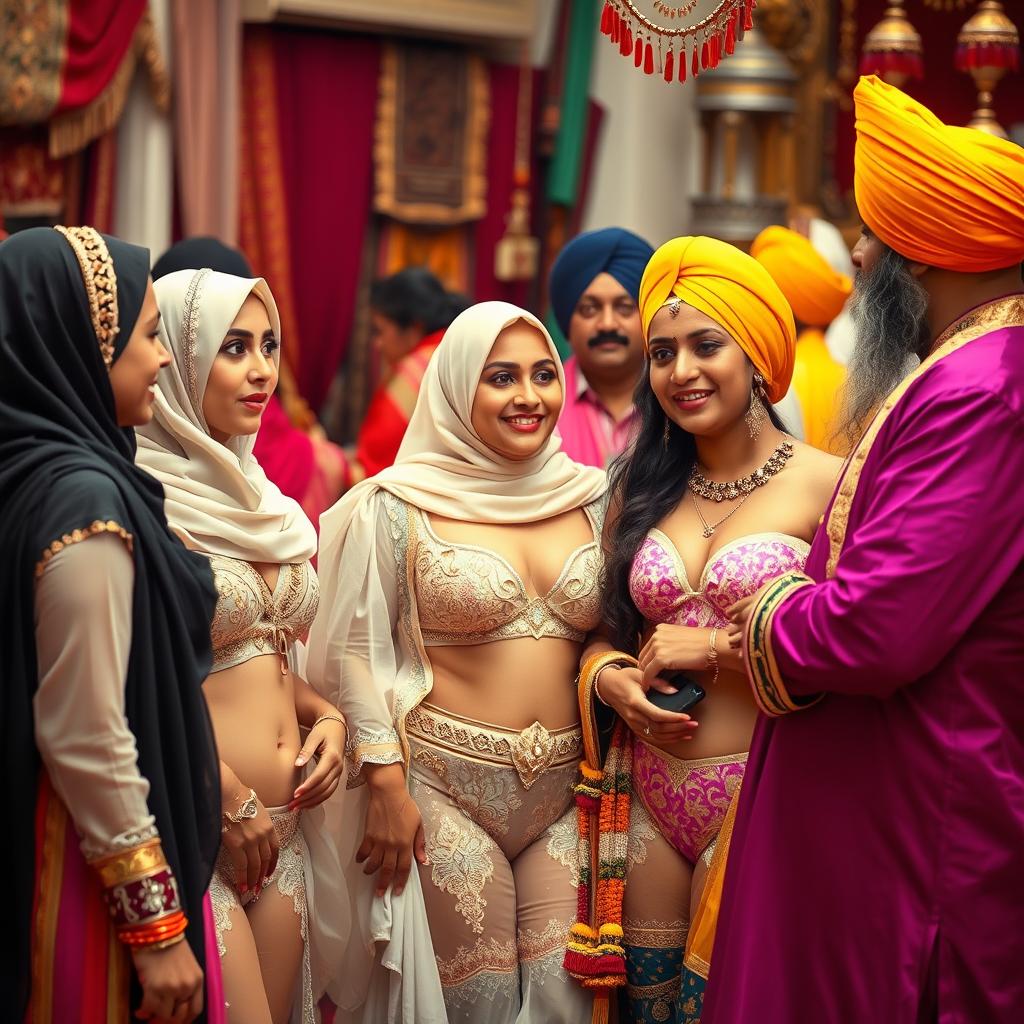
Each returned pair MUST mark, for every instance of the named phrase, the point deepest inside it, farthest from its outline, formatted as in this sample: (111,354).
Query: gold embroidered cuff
(129,865)
(367,747)
(770,691)
(99,526)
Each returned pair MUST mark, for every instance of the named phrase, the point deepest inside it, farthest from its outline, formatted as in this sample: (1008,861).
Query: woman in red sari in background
(409,313)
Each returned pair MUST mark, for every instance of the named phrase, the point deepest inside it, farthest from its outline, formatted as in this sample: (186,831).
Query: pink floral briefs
(688,800)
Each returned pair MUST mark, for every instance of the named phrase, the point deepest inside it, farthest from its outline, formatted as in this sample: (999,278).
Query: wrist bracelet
(248,809)
(163,943)
(141,894)
(329,718)
(713,654)
(597,679)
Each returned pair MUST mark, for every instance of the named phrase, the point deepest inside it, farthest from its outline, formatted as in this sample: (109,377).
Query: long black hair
(416,296)
(647,481)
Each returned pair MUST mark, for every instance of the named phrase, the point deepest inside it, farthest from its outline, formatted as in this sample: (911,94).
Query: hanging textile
(70,63)
(433,114)
(207,52)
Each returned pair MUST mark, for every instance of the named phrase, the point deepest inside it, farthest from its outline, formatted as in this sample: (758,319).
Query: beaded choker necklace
(733,489)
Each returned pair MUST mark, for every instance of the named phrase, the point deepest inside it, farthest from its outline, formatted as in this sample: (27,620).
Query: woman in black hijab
(104,732)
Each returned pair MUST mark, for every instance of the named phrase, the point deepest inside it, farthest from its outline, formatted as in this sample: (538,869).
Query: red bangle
(153,934)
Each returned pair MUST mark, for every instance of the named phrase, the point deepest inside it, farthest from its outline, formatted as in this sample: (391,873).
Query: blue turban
(615,251)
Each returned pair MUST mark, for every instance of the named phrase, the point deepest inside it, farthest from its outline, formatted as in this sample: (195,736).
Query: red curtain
(944,90)
(326,101)
(98,37)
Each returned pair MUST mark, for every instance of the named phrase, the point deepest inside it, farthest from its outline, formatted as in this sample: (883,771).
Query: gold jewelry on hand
(713,653)
(248,809)
(593,667)
(329,718)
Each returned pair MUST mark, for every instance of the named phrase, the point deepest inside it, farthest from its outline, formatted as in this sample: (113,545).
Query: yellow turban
(816,292)
(948,197)
(732,288)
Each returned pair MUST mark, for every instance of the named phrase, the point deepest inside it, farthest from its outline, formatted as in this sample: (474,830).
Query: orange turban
(948,197)
(732,288)
(816,292)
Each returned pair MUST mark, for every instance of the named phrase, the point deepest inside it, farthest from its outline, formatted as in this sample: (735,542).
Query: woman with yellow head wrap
(712,501)
(732,288)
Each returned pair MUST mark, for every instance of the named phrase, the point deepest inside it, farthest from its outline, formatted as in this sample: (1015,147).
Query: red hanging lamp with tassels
(699,32)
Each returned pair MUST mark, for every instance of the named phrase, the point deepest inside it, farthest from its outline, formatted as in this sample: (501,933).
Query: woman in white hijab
(223,332)
(459,586)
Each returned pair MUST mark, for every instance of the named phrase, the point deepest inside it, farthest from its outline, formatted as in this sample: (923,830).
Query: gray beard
(889,308)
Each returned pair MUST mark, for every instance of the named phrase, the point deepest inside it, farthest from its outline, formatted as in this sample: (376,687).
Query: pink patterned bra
(661,589)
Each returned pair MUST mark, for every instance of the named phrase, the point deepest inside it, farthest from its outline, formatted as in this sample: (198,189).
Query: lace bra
(251,619)
(661,590)
(470,595)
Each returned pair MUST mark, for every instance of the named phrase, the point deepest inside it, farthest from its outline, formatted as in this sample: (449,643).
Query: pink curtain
(207,49)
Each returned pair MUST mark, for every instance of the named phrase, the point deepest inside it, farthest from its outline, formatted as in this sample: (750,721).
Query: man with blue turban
(593,287)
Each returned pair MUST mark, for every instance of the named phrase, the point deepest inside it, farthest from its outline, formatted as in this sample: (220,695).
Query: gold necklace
(709,528)
(730,490)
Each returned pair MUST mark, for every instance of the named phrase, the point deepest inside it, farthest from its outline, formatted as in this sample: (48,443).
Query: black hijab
(64,464)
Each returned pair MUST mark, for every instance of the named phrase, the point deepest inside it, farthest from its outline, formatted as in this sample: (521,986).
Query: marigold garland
(594,953)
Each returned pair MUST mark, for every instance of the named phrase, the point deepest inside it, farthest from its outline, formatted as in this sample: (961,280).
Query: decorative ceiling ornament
(892,49)
(987,47)
(656,34)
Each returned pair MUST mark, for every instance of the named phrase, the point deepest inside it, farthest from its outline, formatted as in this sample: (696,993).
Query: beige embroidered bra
(251,619)
(470,595)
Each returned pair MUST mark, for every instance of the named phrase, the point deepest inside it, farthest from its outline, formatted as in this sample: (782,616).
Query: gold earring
(756,415)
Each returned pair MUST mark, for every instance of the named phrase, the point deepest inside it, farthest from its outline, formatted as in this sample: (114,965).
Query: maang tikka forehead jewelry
(673,307)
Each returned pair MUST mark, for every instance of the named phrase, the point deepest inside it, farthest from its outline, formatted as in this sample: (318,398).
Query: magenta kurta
(876,871)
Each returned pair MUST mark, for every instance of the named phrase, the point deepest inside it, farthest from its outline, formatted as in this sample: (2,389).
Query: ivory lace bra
(251,619)
(661,590)
(470,595)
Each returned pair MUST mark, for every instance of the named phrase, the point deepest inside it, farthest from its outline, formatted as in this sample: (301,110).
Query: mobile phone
(688,695)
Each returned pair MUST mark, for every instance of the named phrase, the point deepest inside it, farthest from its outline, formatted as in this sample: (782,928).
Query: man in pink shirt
(593,288)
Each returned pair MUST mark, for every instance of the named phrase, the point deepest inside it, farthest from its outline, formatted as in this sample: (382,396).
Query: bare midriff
(508,683)
(252,707)
(726,716)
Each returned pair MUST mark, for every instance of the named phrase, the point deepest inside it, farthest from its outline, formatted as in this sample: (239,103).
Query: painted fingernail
(300,761)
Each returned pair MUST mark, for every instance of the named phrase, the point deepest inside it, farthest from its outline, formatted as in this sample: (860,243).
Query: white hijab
(365,650)
(218,499)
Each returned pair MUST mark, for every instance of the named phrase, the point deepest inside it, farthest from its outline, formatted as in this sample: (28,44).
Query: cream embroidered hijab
(365,649)
(217,496)
(444,467)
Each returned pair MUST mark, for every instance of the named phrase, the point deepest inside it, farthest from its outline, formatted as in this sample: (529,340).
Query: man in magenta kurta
(876,867)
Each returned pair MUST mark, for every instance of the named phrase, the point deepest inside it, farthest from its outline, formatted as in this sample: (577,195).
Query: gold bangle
(713,654)
(329,718)
(165,943)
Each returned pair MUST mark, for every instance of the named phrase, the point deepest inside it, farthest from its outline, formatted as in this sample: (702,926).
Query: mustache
(603,337)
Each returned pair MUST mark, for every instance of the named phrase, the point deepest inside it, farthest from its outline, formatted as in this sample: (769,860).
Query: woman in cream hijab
(459,586)
(277,940)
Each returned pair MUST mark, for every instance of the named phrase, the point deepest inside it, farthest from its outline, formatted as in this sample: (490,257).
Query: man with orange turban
(817,295)
(877,855)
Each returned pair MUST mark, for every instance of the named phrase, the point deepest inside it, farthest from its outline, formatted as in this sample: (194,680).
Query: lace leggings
(289,879)
(676,814)
(501,840)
